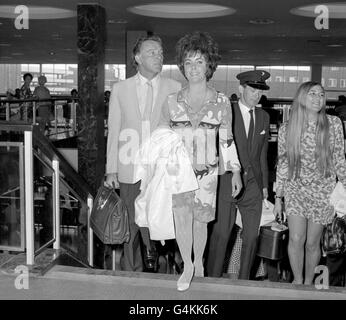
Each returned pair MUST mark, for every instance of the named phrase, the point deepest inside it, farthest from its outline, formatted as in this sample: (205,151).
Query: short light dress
(212,120)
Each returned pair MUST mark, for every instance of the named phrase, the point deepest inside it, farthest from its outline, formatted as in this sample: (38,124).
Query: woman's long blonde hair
(295,130)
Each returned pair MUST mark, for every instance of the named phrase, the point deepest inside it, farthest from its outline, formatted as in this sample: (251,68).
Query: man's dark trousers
(132,251)
(250,207)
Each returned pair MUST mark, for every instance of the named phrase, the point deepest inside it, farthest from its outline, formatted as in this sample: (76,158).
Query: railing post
(74,117)
(29,198)
(55,119)
(55,164)
(90,234)
(8,111)
(34,112)
(26,111)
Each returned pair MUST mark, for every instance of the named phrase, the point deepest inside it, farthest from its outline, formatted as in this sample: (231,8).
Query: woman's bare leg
(313,250)
(297,236)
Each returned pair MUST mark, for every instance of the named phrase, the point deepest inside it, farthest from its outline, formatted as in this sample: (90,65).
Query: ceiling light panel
(336,10)
(38,12)
(181,10)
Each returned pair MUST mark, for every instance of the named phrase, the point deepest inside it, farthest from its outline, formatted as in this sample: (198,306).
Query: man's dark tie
(251,130)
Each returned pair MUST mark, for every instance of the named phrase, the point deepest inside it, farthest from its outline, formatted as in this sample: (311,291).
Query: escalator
(44,202)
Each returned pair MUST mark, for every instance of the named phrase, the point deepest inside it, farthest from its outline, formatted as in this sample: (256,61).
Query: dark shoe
(151,260)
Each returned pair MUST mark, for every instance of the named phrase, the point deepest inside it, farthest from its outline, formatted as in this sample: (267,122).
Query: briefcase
(272,244)
(109,218)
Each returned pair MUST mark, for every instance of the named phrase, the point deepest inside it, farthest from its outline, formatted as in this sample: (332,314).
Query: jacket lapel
(133,96)
(239,127)
(159,101)
(258,126)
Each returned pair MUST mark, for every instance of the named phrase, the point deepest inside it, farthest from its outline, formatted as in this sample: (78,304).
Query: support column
(91,78)
(131,37)
(316,72)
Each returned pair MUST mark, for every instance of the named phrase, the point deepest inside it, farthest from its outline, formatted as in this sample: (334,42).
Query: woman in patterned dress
(25,93)
(199,113)
(310,157)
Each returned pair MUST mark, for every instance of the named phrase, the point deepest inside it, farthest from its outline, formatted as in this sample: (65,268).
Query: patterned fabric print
(199,131)
(308,196)
(183,201)
(25,92)
(233,262)
(26,107)
(310,201)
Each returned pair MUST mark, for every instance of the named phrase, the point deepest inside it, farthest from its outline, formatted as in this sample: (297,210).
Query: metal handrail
(52,153)
(35,103)
(289,101)
(38,100)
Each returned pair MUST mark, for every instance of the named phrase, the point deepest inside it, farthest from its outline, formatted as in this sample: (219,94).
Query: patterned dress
(26,107)
(308,196)
(200,131)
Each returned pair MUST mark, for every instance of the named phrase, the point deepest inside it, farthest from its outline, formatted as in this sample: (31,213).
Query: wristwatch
(278,197)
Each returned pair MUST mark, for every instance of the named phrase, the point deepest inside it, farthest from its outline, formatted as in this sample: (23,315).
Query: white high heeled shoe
(183,286)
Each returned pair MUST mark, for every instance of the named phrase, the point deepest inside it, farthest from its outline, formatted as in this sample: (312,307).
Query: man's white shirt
(246,116)
(142,89)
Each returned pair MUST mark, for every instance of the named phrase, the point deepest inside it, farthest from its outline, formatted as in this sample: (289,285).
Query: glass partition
(44,202)
(64,124)
(73,222)
(12,235)
(334,81)
(285,80)
(36,209)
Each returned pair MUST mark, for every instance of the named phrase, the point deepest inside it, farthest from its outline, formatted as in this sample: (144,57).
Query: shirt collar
(143,80)
(243,107)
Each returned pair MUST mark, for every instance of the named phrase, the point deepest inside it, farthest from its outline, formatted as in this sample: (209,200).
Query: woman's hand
(278,209)
(236,183)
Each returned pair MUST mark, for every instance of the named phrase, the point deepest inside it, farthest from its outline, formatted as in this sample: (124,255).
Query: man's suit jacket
(125,124)
(256,159)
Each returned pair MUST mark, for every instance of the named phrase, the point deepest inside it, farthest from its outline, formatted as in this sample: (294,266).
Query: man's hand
(236,183)
(265,193)
(110,179)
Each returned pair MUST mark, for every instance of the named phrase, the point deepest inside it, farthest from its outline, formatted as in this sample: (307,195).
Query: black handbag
(272,244)
(109,218)
(333,238)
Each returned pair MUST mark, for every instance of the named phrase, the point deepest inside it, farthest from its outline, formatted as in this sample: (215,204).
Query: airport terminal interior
(51,170)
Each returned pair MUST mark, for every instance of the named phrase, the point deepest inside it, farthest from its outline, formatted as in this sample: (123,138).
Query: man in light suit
(134,111)
(251,134)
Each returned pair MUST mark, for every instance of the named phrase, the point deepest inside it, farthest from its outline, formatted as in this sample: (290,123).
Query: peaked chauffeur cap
(255,78)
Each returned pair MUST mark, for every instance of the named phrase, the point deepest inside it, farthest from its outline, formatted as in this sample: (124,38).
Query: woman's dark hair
(138,44)
(203,43)
(27,74)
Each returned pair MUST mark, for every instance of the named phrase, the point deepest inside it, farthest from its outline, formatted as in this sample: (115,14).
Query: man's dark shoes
(151,260)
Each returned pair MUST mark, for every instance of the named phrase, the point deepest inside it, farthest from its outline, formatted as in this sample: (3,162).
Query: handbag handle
(113,185)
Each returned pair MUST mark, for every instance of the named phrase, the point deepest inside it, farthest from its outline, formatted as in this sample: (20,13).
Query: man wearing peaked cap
(251,134)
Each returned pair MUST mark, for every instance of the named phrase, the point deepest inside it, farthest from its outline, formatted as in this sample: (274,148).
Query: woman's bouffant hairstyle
(198,42)
(295,130)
